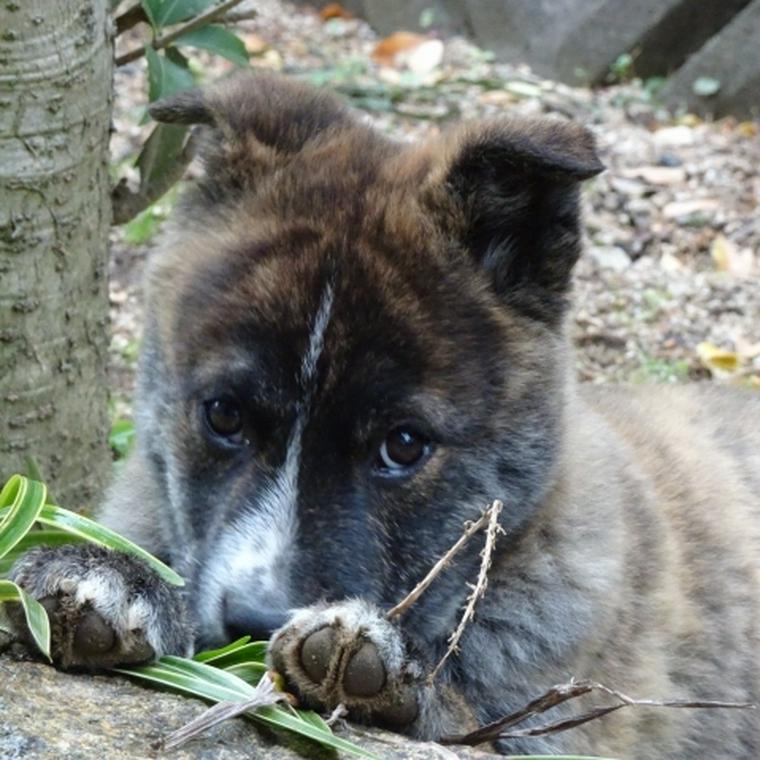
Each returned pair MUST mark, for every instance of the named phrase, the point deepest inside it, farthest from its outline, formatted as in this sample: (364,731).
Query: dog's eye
(225,418)
(402,448)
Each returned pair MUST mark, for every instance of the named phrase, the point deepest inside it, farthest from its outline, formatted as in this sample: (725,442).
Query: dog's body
(352,347)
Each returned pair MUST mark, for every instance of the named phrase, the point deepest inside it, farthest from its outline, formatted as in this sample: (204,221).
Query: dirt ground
(669,286)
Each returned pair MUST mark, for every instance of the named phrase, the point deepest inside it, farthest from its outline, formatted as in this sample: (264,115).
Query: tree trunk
(55,111)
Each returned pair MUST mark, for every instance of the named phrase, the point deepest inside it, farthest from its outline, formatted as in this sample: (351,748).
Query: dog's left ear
(509,191)
(252,123)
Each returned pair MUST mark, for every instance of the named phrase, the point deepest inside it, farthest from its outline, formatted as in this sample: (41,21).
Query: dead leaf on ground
(657,175)
(497,97)
(416,52)
(682,209)
(727,257)
(334,10)
(719,361)
(254,43)
(671,263)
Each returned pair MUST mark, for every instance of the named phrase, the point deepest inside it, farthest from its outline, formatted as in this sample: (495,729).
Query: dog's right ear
(253,122)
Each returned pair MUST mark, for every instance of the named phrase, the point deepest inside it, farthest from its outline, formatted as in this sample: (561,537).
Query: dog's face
(352,347)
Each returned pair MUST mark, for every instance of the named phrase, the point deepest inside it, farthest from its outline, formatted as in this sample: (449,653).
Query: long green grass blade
(211,654)
(24,499)
(205,681)
(85,528)
(250,672)
(316,720)
(255,651)
(167,675)
(36,617)
(276,716)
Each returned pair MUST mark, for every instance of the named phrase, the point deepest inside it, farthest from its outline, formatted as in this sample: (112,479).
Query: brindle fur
(632,543)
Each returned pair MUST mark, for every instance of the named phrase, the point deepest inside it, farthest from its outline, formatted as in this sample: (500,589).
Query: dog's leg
(106,608)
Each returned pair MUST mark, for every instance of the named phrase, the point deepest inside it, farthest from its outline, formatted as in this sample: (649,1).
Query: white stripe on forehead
(317,338)
(253,551)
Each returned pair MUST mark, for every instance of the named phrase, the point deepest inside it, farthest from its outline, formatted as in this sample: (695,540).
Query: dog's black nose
(259,624)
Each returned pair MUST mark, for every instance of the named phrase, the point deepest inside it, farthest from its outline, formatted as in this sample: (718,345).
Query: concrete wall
(578,41)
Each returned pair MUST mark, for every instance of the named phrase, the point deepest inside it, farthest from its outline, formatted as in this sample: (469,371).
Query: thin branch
(470,530)
(557,695)
(208,17)
(477,590)
(557,726)
(264,695)
(235,17)
(131,17)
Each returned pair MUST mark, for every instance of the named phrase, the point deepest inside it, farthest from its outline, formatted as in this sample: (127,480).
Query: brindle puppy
(352,346)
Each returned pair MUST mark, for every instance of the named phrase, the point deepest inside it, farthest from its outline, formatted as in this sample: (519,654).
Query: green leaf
(166,76)
(250,671)
(24,499)
(194,678)
(211,654)
(141,229)
(160,152)
(20,490)
(705,86)
(163,13)
(276,716)
(216,40)
(147,6)
(253,652)
(309,716)
(121,437)
(77,525)
(33,471)
(217,685)
(36,617)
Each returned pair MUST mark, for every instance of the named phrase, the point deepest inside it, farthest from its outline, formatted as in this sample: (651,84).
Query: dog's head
(353,346)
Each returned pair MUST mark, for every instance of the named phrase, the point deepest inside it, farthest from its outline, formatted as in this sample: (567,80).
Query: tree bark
(55,111)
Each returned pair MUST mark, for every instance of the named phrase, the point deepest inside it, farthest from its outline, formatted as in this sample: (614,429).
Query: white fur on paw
(357,617)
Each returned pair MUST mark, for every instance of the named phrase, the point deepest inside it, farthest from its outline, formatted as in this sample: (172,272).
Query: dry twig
(211,15)
(470,530)
(477,590)
(341,711)
(265,694)
(557,695)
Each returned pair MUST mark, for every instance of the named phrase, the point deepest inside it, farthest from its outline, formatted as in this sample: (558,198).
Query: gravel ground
(669,286)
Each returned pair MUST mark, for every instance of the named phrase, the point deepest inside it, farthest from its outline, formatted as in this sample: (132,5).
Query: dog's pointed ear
(509,191)
(253,122)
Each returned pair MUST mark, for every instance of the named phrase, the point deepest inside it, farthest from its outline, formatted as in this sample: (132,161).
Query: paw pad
(365,674)
(93,636)
(347,653)
(316,651)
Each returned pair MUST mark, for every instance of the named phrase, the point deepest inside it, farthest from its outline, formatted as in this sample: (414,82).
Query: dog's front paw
(105,608)
(347,653)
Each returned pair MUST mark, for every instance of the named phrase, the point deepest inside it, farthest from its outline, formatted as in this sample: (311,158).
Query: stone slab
(49,715)
(732,58)
(659,35)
